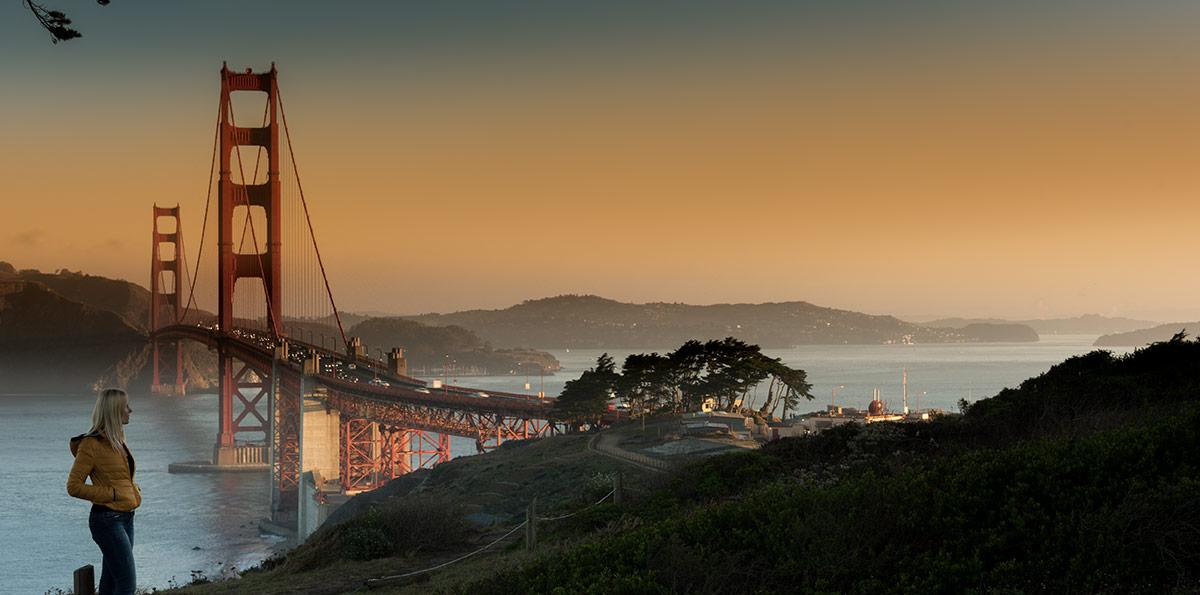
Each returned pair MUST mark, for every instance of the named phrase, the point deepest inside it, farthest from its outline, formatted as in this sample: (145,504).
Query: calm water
(945,373)
(208,522)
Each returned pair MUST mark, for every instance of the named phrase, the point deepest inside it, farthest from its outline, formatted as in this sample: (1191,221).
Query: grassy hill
(1080,480)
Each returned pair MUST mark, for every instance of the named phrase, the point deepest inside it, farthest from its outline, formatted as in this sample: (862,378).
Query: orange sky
(983,174)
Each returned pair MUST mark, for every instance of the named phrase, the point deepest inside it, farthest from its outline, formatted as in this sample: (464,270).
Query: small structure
(717,423)
(877,411)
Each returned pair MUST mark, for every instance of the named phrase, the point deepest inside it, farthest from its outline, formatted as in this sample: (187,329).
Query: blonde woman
(101,455)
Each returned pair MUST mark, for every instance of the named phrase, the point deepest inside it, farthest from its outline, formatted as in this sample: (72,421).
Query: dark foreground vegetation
(1084,479)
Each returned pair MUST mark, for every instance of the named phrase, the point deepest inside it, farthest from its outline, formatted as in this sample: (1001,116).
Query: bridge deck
(341,374)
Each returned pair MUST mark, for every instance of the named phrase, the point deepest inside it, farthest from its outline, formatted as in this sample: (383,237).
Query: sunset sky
(1016,159)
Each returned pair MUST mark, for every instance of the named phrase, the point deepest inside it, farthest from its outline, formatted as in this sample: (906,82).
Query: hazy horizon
(916,318)
(1019,161)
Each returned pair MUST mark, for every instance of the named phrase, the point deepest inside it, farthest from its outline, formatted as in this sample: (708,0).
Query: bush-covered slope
(1081,480)
(1111,512)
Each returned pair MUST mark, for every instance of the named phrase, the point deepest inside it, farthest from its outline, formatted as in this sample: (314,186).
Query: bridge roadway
(345,385)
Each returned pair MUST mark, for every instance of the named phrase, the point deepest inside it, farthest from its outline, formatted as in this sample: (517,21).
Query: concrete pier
(234,459)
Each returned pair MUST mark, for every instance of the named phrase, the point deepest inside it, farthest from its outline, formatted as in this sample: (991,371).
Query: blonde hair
(107,416)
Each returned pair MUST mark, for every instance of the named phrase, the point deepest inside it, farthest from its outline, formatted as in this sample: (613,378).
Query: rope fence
(529,524)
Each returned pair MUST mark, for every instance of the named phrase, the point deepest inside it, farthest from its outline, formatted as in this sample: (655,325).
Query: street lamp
(524,367)
(833,397)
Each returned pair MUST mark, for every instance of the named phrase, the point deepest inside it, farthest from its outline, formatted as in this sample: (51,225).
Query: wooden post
(531,525)
(85,580)
(618,487)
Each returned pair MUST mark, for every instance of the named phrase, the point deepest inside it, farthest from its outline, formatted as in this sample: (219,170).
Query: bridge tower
(232,265)
(166,293)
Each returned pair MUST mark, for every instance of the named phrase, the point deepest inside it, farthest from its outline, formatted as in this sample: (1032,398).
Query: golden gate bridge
(283,401)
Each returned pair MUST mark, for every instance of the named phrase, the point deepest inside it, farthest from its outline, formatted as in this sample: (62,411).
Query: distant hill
(67,331)
(427,347)
(1162,332)
(1088,324)
(32,315)
(588,321)
(1000,333)
(49,343)
(129,301)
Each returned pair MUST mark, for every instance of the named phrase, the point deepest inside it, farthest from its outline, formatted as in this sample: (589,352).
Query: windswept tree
(586,398)
(685,375)
(724,370)
(787,387)
(731,369)
(645,383)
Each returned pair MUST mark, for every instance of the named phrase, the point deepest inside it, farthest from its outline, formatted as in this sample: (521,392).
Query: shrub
(398,526)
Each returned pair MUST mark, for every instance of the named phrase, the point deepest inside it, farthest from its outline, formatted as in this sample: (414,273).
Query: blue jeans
(113,532)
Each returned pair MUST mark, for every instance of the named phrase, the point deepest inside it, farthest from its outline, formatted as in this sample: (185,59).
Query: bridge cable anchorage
(308,218)
(262,270)
(383,580)
(204,222)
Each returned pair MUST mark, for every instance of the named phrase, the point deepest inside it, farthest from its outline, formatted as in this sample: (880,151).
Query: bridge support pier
(240,383)
(156,384)
(320,443)
(285,415)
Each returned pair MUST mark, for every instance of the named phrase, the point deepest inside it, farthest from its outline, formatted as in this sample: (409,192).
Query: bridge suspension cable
(308,218)
(204,221)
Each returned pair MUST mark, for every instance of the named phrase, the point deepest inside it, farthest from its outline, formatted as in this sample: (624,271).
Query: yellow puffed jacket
(111,474)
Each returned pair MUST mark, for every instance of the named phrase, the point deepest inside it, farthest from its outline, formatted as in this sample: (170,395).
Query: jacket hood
(77,439)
